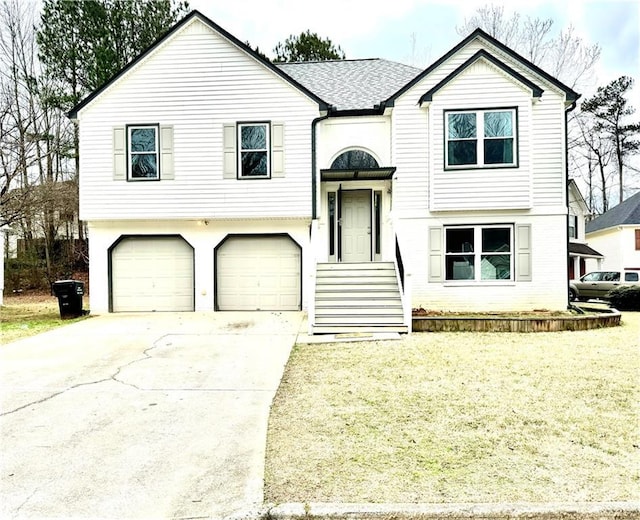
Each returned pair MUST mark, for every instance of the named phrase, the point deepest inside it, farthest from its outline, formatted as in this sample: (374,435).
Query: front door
(355,226)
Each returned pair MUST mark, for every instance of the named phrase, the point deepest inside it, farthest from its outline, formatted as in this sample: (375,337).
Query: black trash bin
(69,293)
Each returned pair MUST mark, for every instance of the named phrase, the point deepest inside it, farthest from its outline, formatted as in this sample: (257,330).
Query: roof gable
(571,95)
(576,196)
(73,113)
(624,214)
(536,91)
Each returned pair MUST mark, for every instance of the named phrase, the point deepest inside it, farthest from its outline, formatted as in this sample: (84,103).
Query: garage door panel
(258,273)
(152,274)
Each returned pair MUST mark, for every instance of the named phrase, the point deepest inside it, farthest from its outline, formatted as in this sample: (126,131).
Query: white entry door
(356,226)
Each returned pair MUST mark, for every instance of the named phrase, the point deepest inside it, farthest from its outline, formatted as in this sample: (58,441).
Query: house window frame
(480,139)
(637,237)
(573,225)
(478,254)
(130,153)
(239,126)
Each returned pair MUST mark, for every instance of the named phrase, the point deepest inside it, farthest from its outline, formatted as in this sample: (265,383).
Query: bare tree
(492,20)
(36,138)
(16,124)
(593,153)
(611,111)
(571,60)
(565,56)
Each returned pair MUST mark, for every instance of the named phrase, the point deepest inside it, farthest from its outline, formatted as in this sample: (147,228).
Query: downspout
(314,183)
(566,192)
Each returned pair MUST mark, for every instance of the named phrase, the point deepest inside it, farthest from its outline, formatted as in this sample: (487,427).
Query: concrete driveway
(140,415)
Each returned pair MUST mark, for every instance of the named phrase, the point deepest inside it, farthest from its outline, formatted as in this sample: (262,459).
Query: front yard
(460,417)
(29,314)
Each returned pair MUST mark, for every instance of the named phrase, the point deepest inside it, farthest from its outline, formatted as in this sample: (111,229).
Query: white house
(357,190)
(582,257)
(616,233)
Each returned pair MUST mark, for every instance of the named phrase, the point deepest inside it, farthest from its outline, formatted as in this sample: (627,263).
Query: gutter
(566,191)
(314,123)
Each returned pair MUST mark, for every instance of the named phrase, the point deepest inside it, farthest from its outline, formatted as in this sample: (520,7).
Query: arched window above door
(354,160)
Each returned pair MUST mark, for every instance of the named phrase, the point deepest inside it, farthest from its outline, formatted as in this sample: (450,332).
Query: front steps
(358,297)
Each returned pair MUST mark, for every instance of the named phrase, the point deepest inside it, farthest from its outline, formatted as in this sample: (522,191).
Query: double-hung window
(573,226)
(143,152)
(479,253)
(480,138)
(253,157)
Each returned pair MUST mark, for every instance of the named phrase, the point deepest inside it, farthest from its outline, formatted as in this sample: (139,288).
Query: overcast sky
(417,32)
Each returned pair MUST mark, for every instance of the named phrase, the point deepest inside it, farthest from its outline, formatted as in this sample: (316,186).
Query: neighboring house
(212,179)
(582,258)
(616,233)
(62,197)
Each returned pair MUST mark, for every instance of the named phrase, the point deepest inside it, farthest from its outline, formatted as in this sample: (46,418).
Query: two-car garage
(252,272)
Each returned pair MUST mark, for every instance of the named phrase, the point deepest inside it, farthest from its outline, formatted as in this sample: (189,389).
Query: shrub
(24,273)
(625,298)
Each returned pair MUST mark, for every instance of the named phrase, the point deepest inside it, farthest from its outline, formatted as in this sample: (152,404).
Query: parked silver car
(597,284)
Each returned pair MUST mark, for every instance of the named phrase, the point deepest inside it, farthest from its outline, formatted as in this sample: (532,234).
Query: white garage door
(258,273)
(152,274)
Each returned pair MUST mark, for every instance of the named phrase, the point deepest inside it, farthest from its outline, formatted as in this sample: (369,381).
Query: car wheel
(572,295)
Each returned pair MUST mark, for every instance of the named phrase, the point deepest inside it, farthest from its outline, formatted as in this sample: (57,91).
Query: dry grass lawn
(460,417)
(29,314)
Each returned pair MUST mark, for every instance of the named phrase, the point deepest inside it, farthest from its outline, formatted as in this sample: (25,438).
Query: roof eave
(571,95)
(536,90)
(352,112)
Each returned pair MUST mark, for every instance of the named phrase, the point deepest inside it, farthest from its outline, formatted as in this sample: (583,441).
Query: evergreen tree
(307,46)
(83,44)
(611,110)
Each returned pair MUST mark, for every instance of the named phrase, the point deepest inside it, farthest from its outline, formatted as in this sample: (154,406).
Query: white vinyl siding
(197,82)
(418,147)
(481,86)
(548,147)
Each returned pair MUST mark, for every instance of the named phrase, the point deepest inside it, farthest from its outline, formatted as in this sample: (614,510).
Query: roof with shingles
(583,249)
(351,84)
(624,214)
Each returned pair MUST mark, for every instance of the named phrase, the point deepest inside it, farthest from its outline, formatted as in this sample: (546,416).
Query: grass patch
(24,316)
(460,417)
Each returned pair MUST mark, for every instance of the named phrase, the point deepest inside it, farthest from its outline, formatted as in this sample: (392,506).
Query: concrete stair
(357,297)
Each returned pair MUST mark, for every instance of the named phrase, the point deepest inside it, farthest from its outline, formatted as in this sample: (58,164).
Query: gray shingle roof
(351,84)
(625,213)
